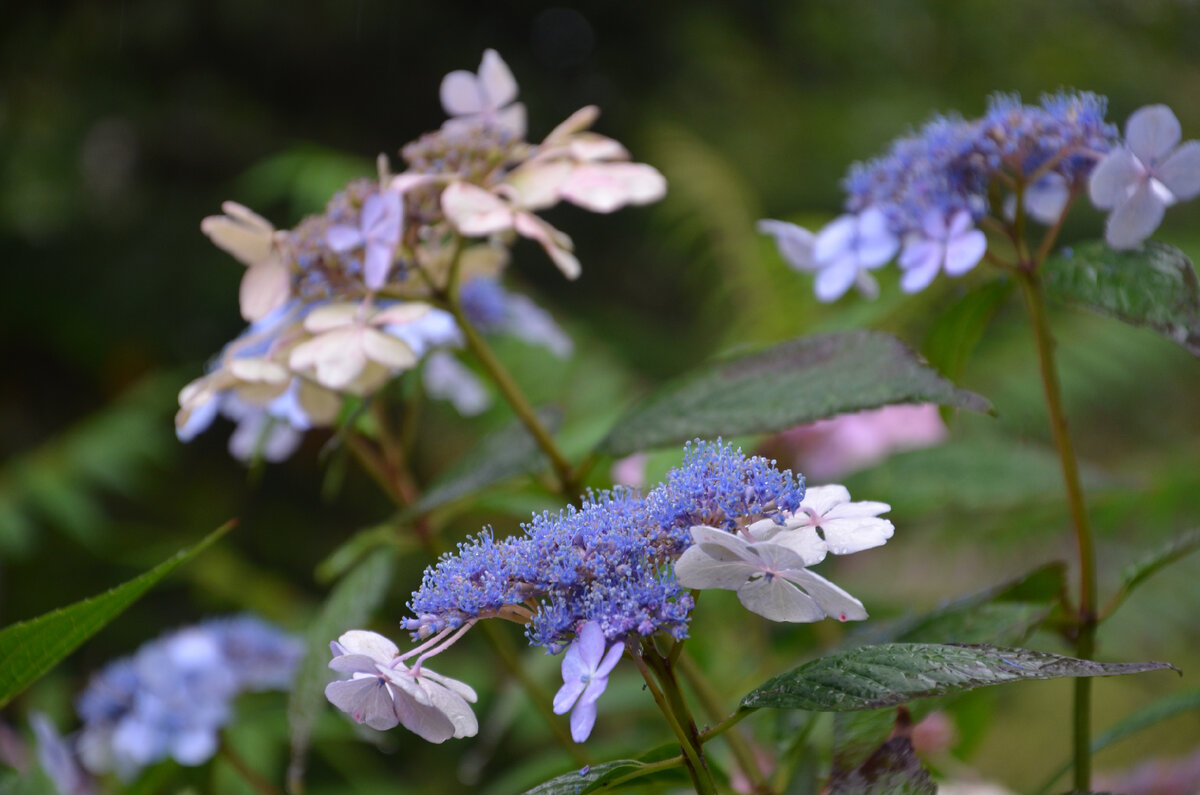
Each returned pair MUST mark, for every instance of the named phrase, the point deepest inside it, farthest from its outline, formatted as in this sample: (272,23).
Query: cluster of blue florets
(608,560)
(172,697)
(950,163)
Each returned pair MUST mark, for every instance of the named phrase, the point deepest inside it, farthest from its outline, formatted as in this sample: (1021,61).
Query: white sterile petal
(557,245)
(1152,132)
(474,211)
(319,404)
(1114,178)
(593,146)
(848,535)
(1181,171)
(454,707)
(403,183)
(835,602)
(265,287)
(367,699)
(343,237)
(241,232)
(461,688)
(795,243)
(713,566)
(402,313)
(834,238)
(834,280)
(460,93)
(804,541)
(577,122)
(424,720)
(372,644)
(387,350)
(512,119)
(537,183)
(964,252)
(822,499)
(1046,200)
(354,664)
(331,316)
(604,187)
(1134,220)
(259,369)
(246,216)
(497,79)
(776,599)
(337,356)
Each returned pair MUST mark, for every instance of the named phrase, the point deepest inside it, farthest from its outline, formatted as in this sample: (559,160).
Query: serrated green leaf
(798,381)
(1147,716)
(870,677)
(1153,286)
(578,782)
(31,648)
(349,605)
(503,455)
(1136,573)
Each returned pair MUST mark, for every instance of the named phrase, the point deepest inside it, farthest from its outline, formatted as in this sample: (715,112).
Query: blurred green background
(122,124)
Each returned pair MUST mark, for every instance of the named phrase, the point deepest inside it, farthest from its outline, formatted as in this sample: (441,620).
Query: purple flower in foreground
(1140,180)
(955,247)
(585,670)
(378,233)
(847,247)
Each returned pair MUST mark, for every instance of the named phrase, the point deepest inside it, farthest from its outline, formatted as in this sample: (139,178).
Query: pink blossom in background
(630,470)
(828,449)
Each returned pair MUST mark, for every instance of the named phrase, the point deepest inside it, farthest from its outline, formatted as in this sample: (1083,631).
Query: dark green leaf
(578,782)
(788,384)
(956,332)
(348,607)
(1137,573)
(1003,615)
(31,648)
(503,455)
(893,673)
(1153,286)
(1147,716)
(358,546)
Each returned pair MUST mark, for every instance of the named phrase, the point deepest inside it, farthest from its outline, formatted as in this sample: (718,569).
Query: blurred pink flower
(828,449)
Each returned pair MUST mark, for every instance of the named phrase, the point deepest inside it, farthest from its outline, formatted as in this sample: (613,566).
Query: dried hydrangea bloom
(252,240)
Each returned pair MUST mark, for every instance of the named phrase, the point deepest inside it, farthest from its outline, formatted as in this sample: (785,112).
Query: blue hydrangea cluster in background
(922,201)
(173,696)
(607,561)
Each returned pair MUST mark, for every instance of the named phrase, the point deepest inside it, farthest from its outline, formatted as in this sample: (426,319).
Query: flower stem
(670,701)
(711,702)
(252,777)
(1085,621)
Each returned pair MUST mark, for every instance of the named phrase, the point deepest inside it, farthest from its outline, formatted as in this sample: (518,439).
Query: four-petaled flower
(585,669)
(955,247)
(383,692)
(771,577)
(847,248)
(487,96)
(1140,180)
(378,233)
(845,527)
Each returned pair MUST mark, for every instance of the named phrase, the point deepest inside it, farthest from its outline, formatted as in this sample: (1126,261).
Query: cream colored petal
(405,312)
(331,316)
(387,350)
(578,121)
(537,184)
(474,211)
(590,147)
(259,369)
(556,244)
(321,405)
(265,287)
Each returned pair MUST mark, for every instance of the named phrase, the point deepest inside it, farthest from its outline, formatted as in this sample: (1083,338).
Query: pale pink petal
(588,147)
(403,183)
(775,599)
(405,312)
(331,316)
(537,184)
(376,646)
(604,187)
(1152,132)
(833,601)
(474,211)
(557,245)
(424,720)
(246,216)
(499,85)
(512,119)
(265,287)
(577,122)
(259,369)
(460,93)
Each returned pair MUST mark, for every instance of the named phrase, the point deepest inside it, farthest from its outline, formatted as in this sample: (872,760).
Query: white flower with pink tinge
(383,692)
(350,351)
(827,514)
(253,241)
(486,96)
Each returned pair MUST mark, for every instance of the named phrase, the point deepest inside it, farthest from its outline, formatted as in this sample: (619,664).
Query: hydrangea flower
(173,696)
(831,448)
(252,240)
(845,527)
(847,248)
(585,669)
(954,246)
(383,692)
(377,233)
(487,96)
(771,578)
(1139,180)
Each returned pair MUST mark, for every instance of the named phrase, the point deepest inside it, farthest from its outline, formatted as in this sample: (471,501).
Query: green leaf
(31,648)
(1136,573)
(955,333)
(1153,286)
(1147,716)
(798,381)
(1003,615)
(893,673)
(348,554)
(503,455)
(578,782)
(349,605)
